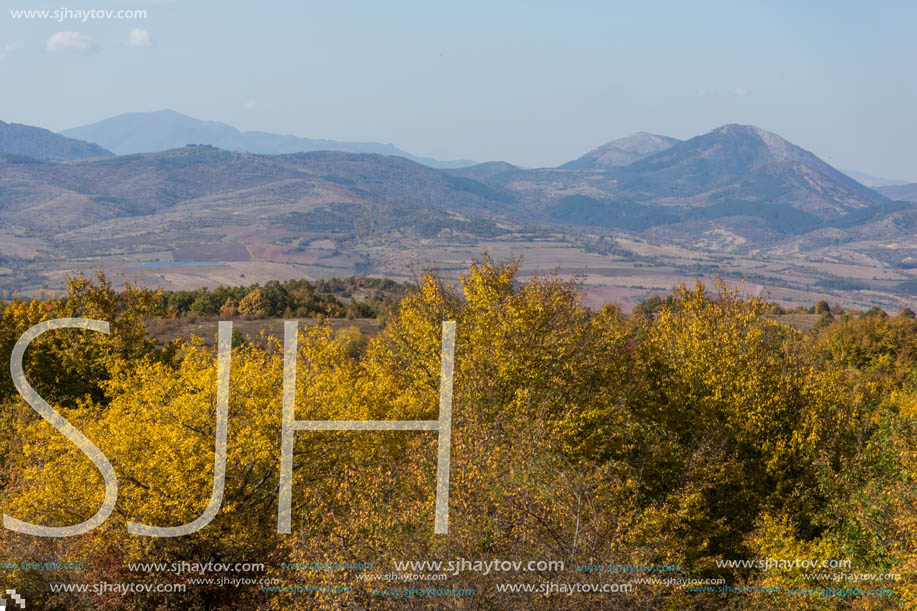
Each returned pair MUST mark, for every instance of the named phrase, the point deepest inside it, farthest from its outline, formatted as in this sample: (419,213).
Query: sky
(533,83)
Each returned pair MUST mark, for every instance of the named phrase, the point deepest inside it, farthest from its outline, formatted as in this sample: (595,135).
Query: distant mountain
(38,143)
(622,152)
(147,132)
(737,191)
(489,171)
(872,181)
(743,164)
(741,180)
(738,200)
(907,193)
(753,181)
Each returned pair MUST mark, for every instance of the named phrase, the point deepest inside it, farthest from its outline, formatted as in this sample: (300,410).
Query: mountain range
(145,132)
(736,199)
(742,174)
(754,181)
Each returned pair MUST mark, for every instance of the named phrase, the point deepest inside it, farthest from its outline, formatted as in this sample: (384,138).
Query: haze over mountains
(902,192)
(873,181)
(738,201)
(146,132)
(38,143)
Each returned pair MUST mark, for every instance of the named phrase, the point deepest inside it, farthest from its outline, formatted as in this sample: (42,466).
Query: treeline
(354,297)
(704,436)
(334,298)
(655,303)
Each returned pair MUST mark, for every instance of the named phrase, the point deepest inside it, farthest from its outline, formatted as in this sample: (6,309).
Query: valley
(631,219)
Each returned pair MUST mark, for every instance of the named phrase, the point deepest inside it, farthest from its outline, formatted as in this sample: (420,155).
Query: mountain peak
(738,129)
(743,129)
(743,162)
(622,152)
(777,148)
(644,136)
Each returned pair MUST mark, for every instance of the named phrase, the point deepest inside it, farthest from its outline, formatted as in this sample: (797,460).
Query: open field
(636,270)
(606,278)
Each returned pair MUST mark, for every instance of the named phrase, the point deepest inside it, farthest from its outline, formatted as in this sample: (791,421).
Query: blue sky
(533,83)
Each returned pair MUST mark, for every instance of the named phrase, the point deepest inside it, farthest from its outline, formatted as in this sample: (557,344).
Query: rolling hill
(737,199)
(209,183)
(906,193)
(38,143)
(755,182)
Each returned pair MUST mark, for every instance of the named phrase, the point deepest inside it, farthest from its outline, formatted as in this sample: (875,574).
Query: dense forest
(335,298)
(698,434)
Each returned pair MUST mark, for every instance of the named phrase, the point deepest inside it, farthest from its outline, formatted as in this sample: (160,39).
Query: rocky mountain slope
(622,152)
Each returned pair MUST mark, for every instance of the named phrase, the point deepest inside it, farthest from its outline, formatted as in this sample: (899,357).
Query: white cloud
(10,47)
(740,92)
(252,104)
(139,38)
(70,41)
